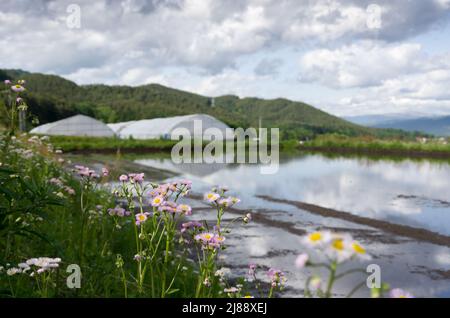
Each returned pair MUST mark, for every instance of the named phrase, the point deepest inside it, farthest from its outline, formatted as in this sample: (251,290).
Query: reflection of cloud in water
(360,186)
(442,257)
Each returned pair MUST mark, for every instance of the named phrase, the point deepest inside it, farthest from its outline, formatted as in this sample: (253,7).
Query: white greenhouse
(78,125)
(196,126)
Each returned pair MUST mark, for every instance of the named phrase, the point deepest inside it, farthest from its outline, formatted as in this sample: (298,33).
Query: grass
(47,211)
(73,144)
(370,145)
(106,144)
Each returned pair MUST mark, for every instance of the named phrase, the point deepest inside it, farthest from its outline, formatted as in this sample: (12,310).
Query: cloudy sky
(348,57)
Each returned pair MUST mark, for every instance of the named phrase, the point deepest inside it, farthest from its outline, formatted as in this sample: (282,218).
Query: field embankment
(427,148)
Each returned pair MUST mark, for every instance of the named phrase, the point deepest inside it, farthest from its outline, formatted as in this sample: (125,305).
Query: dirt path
(397,229)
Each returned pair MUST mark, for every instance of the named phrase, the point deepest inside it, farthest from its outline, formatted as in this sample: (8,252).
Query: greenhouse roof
(163,127)
(78,125)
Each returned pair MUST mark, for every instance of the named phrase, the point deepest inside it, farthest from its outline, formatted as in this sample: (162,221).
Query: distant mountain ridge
(439,126)
(52,97)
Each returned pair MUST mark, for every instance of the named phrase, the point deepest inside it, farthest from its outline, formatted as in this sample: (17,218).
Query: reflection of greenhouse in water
(78,125)
(194,169)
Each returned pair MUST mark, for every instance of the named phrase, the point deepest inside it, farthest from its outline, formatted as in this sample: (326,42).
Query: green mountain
(52,97)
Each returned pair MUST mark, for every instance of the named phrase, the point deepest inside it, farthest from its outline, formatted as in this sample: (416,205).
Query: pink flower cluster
(132,177)
(251,269)
(18,88)
(194,225)
(181,187)
(118,211)
(85,172)
(59,183)
(210,240)
(277,277)
(216,198)
(171,207)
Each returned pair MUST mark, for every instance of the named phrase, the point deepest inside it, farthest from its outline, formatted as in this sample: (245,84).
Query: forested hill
(52,97)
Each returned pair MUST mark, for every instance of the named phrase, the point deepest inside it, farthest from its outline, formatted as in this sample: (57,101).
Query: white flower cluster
(339,247)
(34,265)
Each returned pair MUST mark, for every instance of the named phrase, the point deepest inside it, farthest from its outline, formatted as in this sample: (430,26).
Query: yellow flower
(358,248)
(316,236)
(338,244)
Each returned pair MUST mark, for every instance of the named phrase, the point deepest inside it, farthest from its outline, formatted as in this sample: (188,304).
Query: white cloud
(140,41)
(361,64)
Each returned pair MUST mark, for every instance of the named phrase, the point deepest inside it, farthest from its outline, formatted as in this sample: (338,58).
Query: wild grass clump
(375,145)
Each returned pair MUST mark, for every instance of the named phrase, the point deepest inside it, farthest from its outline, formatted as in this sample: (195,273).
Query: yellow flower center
(207,236)
(338,244)
(316,236)
(358,248)
(157,200)
(141,217)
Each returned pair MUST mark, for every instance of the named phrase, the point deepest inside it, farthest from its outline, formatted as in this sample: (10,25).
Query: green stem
(331,279)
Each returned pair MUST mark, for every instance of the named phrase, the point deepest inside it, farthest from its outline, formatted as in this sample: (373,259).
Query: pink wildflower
(123,178)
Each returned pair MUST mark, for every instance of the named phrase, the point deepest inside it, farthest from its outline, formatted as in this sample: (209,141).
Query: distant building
(78,125)
(158,128)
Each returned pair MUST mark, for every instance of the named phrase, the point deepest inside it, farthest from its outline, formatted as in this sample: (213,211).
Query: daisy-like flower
(43,264)
(276,277)
(69,190)
(217,241)
(17,88)
(158,200)
(207,282)
(13,271)
(224,202)
(136,177)
(400,293)
(123,178)
(210,240)
(252,269)
(223,272)
(359,251)
(21,82)
(317,239)
(204,238)
(7,82)
(340,248)
(141,218)
(184,209)
(189,225)
(168,206)
(301,260)
(211,197)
